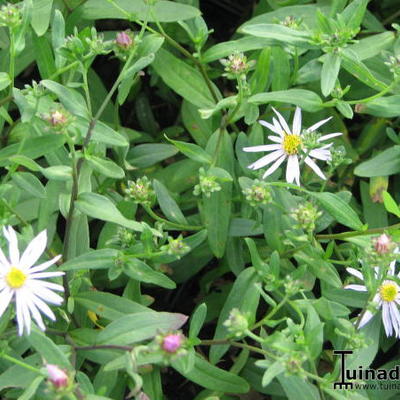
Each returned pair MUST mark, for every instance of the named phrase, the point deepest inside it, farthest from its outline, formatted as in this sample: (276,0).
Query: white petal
(19,314)
(276,139)
(45,265)
(355,273)
(5,298)
(3,260)
(394,312)
(359,288)
(329,136)
(297,121)
(25,310)
(278,127)
(43,307)
(292,168)
(270,127)
(34,250)
(320,154)
(387,322)
(314,167)
(392,268)
(263,161)
(283,122)
(318,124)
(45,294)
(365,319)
(43,275)
(274,166)
(34,311)
(13,251)
(51,285)
(265,147)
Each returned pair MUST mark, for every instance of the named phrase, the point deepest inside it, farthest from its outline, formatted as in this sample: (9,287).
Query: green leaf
(101,207)
(296,388)
(146,155)
(211,377)
(280,33)
(161,11)
(96,259)
(102,133)
(390,204)
(30,183)
(314,332)
(183,79)
(197,320)
(305,99)
(191,150)
(276,368)
(47,349)
(71,99)
(57,172)
(108,305)
(44,56)
(387,107)
(31,390)
(329,73)
(4,80)
(353,14)
(200,129)
(134,328)
(360,71)
(243,296)
(31,148)
(225,49)
(384,164)
(167,204)
(140,271)
(338,209)
(40,17)
(105,167)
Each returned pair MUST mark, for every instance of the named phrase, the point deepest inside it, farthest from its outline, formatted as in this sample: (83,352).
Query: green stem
(172,224)
(271,313)
(345,235)
(375,96)
(12,61)
(22,364)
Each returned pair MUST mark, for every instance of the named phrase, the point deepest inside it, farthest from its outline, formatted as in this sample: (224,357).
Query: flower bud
(10,16)
(383,244)
(57,376)
(176,246)
(124,40)
(258,193)
(306,214)
(172,342)
(237,323)
(140,191)
(207,185)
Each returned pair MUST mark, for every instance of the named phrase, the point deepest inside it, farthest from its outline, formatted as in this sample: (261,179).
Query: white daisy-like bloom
(387,298)
(289,146)
(23,282)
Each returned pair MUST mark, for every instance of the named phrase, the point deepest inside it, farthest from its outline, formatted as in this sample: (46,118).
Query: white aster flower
(387,298)
(289,145)
(22,281)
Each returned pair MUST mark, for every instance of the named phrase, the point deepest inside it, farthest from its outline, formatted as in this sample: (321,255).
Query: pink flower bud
(124,40)
(172,342)
(383,244)
(57,376)
(57,118)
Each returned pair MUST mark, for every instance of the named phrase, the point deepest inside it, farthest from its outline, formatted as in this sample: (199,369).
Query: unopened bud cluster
(310,140)
(291,22)
(338,157)
(124,238)
(207,185)
(58,119)
(383,250)
(293,363)
(394,65)
(10,16)
(237,323)
(305,215)
(236,64)
(141,191)
(258,193)
(176,247)
(124,42)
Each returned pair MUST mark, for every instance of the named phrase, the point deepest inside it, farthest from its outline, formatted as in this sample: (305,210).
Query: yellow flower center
(388,291)
(291,144)
(15,278)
